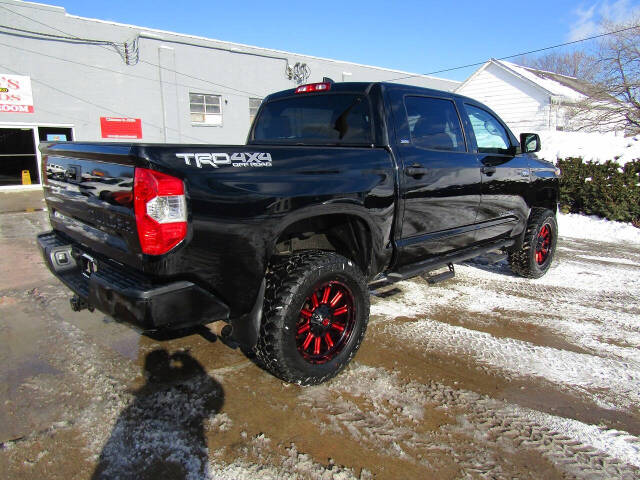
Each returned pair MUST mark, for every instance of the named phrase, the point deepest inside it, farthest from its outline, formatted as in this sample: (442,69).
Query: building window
(205,109)
(254,104)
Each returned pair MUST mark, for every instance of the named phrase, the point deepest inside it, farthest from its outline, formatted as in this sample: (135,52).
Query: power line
(518,54)
(251,94)
(105,69)
(34,20)
(103,43)
(122,49)
(102,107)
(61,37)
(78,40)
(390,80)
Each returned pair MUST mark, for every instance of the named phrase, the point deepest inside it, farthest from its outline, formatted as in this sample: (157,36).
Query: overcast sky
(410,35)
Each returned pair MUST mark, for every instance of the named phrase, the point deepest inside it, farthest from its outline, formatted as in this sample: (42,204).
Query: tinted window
(491,136)
(334,118)
(434,124)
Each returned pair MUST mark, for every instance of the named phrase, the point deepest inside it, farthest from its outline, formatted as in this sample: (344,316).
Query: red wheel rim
(543,244)
(325,323)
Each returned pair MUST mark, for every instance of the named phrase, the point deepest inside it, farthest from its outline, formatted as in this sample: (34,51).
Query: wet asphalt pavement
(484,376)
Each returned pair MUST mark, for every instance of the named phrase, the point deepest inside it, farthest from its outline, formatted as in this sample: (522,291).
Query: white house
(525,98)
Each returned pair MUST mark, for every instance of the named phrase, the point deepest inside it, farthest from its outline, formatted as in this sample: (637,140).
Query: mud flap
(246,328)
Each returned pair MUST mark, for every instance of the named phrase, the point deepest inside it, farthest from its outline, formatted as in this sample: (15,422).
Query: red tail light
(161,211)
(314,87)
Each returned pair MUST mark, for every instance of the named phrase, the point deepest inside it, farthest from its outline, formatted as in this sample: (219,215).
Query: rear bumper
(126,295)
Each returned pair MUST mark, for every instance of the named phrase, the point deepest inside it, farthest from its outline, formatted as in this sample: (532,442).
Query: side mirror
(530,142)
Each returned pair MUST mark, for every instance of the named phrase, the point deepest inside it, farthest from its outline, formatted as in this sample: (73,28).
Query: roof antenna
(327,80)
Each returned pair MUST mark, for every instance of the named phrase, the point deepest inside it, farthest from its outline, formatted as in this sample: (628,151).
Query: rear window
(315,119)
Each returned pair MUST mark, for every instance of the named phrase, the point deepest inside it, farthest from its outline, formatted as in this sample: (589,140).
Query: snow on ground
(377,407)
(596,147)
(293,465)
(487,375)
(590,301)
(486,296)
(588,375)
(586,306)
(573,225)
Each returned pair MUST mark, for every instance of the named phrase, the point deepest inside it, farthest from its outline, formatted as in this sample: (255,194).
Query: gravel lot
(485,376)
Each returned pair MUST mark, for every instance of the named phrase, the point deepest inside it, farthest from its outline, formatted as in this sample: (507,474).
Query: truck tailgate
(89,191)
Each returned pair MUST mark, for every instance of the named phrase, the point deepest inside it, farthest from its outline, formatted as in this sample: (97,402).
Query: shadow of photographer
(161,433)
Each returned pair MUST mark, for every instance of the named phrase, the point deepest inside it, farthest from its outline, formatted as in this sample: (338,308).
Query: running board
(495,257)
(431,264)
(441,277)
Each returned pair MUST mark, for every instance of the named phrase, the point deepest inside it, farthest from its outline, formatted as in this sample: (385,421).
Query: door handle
(415,171)
(488,171)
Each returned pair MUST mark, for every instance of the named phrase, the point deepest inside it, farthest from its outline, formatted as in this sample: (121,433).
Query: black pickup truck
(340,188)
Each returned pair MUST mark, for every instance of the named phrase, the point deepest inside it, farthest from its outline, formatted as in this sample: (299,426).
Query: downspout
(554,104)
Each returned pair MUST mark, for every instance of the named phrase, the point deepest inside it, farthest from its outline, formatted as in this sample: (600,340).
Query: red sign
(114,127)
(16,108)
(15,94)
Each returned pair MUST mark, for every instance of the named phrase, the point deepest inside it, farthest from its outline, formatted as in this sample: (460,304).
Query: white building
(528,100)
(64,77)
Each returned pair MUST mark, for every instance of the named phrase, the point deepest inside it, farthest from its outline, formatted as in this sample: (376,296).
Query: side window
(491,136)
(434,124)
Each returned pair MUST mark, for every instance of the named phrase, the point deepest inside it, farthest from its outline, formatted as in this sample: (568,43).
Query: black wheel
(315,316)
(534,258)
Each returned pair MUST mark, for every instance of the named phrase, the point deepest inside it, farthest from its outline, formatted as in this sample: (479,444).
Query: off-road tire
(290,281)
(523,260)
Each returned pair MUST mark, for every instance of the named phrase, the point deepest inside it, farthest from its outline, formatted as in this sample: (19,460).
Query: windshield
(315,119)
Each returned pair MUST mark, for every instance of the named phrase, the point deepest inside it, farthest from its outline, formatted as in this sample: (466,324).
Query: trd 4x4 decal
(216,160)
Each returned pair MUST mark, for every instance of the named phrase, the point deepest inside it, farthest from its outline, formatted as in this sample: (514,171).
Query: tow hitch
(78,304)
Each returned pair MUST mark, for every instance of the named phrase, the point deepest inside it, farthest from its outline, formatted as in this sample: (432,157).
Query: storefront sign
(114,127)
(15,94)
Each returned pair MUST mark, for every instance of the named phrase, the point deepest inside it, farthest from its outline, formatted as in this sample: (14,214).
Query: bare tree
(577,63)
(619,64)
(612,76)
